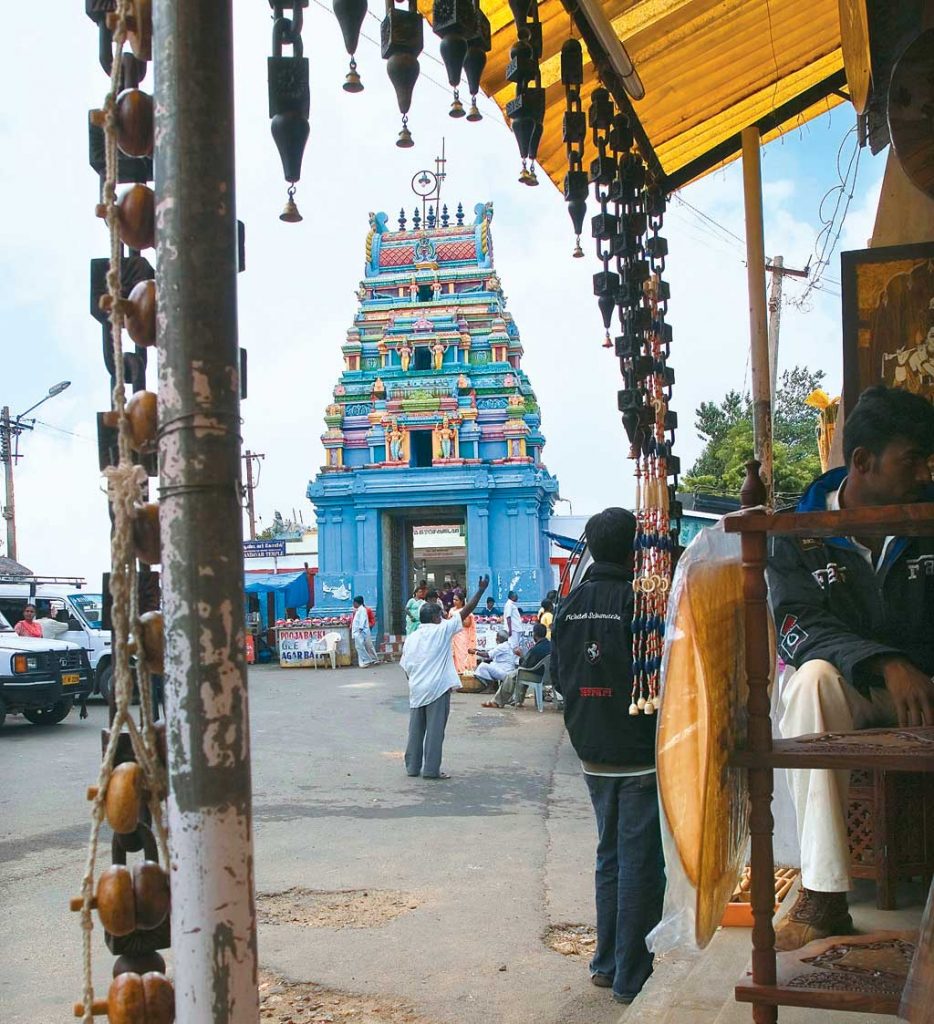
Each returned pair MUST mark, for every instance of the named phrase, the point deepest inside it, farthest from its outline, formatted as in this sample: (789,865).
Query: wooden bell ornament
(136,999)
(140,313)
(146,534)
(138,28)
(136,216)
(128,899)
(141,415)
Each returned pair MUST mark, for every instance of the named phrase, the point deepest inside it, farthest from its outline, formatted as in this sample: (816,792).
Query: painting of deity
(888,319)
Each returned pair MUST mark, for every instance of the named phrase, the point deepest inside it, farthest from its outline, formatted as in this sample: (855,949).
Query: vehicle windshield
(90,608)
(5,627)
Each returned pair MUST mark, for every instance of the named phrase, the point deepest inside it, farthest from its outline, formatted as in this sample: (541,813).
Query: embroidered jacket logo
(792,633)
(923,565)
(593,652)
(830,574)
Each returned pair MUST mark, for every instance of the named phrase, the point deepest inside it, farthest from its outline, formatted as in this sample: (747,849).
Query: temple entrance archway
(420,544)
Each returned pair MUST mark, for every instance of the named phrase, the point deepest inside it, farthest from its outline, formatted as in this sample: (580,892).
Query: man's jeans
(630,878)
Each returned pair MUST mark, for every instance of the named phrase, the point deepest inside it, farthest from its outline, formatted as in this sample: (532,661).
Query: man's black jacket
(591,663)
(831,605)
(534,656)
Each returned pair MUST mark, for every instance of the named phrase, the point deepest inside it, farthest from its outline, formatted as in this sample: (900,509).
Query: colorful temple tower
(433,423)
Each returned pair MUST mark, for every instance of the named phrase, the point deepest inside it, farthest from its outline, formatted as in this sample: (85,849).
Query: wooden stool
(890,825)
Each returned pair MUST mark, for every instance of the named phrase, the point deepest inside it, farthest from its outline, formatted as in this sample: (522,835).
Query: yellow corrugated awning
(710,68)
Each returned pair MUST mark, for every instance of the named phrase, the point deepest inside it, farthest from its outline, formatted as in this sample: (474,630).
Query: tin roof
(709,67)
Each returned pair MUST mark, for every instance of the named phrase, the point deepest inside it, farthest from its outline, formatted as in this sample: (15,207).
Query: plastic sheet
(918,996)
(704,802)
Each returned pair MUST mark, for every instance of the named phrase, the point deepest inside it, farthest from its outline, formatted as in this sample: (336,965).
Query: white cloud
(296,297)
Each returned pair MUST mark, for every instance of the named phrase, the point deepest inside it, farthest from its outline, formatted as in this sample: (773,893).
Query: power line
(62,430)
(711,220)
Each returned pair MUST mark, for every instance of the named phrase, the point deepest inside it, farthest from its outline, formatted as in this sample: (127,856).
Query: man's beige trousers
(817,698)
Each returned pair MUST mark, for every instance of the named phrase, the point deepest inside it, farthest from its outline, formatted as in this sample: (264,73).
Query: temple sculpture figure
(433,428)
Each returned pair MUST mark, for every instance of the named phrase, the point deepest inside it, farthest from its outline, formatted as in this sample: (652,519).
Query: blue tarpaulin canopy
(291,586)
(568,543)
(290,590)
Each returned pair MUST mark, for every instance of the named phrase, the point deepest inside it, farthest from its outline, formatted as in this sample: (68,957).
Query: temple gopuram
(433,428)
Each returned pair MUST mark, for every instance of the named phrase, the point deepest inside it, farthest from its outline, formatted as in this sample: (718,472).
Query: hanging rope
(126,488)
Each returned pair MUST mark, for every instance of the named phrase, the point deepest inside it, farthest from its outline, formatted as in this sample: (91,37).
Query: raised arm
(473,602)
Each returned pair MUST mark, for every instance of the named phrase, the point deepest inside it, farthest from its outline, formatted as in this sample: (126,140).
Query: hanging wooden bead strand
(478,46)
(289,97)
(350,15)
(603,226)
(574,134)
(132,902)
(527,110)
(455,22)
(402,37)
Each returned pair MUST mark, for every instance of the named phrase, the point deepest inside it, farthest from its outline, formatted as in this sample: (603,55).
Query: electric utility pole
(6,454)
(250,487)
(778,270)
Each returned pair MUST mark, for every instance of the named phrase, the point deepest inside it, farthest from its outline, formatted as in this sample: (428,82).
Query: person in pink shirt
(27,626)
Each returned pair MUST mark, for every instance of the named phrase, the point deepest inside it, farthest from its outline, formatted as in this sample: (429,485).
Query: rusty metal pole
(210,813)
(758,307)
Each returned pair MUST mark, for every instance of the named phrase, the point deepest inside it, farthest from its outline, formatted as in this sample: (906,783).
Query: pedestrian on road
(362,638)
(591,662)
(428,662)
(27,625)
(413,606)
(512,617)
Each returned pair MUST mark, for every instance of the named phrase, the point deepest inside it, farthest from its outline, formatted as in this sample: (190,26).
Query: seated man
(855,619)
(498,663)
(490,608)
(532,662)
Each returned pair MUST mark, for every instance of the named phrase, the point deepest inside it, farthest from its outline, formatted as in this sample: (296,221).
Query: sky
(296,297)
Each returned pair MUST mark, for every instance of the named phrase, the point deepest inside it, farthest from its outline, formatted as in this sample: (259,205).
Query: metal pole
(250,507)
(9,510)
(209,805)
(775,321)
(758,326)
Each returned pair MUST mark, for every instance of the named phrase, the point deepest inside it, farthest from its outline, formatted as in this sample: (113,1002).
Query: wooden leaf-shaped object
(146,534)
(141,414)
(151,886)
(124,796)
(160,998)
(141,313)
(133,114)
(150,633)
(136,216)
(116,903)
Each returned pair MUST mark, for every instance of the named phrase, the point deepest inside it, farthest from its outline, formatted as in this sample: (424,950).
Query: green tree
(725,427)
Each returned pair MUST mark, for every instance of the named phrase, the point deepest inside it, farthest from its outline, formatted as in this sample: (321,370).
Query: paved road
(488,859)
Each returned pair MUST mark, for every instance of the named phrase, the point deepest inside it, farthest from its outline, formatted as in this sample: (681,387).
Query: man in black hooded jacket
(591,663)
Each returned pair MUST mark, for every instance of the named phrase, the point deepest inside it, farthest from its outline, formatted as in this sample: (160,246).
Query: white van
(77,613)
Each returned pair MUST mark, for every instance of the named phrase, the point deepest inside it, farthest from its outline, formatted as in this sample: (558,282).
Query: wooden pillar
(759,741)
(758,308)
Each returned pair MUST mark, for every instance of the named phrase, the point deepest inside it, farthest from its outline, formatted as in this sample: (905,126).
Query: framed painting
(888,319)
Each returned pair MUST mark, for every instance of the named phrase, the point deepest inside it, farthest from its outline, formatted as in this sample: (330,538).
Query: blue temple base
(363,521)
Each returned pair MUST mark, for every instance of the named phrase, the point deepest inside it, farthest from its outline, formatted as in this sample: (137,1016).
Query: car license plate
(70,679)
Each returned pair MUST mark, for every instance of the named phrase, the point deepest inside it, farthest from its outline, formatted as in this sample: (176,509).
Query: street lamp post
(10,430)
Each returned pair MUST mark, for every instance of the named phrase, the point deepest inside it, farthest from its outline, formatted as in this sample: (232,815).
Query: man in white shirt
(428,663)
(360,632)
(502,660)
(512,617)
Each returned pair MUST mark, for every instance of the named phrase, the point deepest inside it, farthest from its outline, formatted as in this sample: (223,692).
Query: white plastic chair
(326,647)
(533,681)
